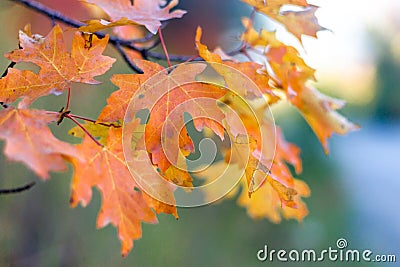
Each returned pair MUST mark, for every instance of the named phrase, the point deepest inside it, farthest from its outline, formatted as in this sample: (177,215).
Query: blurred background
(355,189)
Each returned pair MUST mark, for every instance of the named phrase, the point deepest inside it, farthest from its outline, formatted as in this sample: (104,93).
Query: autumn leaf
(303,22)
(143,12)
(283,59)
(291,73)
(168,97)
(128,84)
(136,152)
(266,202)
(98,25)
(58,68)
(122,204)
(97,130)
(29,140)
(250,69)
(320,112)
(276,192)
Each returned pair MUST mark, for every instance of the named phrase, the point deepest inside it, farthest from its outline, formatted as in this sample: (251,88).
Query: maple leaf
(291,73)
(95,25)
(320,112)
(303,22)
(282,58)
(144,12)
(97,130)
(277,193)
(266,201)
(29,140)
(118,101)
(58,68)
(250,69)
(122,205)
(168,97)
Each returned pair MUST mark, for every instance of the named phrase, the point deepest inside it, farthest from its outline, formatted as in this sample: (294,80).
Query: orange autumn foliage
(269,189)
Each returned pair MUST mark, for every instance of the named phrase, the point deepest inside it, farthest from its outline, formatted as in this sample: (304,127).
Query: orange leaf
(301,22)
(320,112)
(169,96)
(298,23)
(266,201)
(29,140)
(98,25)
(250,69)
(58,68)
(128,84)
(122,204)
(143,12)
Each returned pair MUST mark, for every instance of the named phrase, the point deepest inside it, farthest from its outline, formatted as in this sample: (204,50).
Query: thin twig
(164,47)
(148,36)
(68,99)
(244,52)
(94,121)
(83,129)
(17,189)
(82,118)
(127,59)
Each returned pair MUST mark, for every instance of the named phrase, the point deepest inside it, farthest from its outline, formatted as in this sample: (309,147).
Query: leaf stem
(83,118)
(94,121)
(68,99)
(164,47)
(83,129)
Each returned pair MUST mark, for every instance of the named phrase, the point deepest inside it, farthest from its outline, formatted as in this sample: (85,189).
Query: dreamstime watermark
(340,253)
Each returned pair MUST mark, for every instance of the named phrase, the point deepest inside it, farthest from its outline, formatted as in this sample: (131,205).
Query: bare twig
(94,121)
(127,59)
(17,189)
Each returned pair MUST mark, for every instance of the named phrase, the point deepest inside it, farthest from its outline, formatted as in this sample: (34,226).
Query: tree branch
(114,40)
(127,59)
(17,189)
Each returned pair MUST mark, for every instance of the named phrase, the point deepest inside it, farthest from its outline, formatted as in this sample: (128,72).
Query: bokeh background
(355,190)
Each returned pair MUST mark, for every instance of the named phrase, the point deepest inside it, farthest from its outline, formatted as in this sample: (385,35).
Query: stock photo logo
(342,252)
(228,115)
